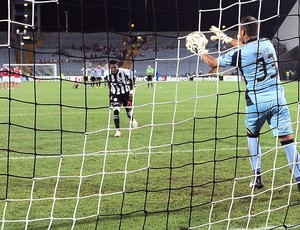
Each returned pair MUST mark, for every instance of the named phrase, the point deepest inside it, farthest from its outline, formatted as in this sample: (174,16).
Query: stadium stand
(68,50)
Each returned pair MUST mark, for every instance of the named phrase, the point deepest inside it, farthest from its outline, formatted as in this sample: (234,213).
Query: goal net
(37,71)
(186,165)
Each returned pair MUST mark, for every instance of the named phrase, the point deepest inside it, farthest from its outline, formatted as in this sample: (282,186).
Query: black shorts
(85,78)
(119,100)
(149,77)
(93,78)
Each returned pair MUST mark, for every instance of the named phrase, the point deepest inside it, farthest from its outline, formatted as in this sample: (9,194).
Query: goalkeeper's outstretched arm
(220,35)
(196,43)
(210,60)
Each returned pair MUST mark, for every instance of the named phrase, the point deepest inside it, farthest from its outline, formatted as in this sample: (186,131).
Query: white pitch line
(119,152)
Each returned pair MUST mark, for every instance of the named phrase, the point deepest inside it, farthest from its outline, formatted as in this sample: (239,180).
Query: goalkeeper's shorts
(276,113)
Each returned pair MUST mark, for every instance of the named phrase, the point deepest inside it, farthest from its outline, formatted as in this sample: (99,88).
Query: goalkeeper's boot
(258,183)
(134,123)
(118,133)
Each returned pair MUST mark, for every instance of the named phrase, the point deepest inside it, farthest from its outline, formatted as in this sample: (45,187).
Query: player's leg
(5,82)
(255,118)
(148,81)
(98,82)
(105,81)
(89,81)
(93,82)
(76,85)
(127,102)
(115,102)
(12,82)
(117,121)
(292,155)
(17,86)
(285,135)
(255,159)
(134,122)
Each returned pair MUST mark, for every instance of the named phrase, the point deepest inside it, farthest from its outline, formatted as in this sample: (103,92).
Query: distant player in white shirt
(105,72)
(99,74)
(120,85)
(93,77)
(86,73)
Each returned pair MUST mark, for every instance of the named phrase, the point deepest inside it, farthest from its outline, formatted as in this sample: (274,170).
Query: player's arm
(220,35)
(210,61)
(131,85)
(130,97)
(106,79)
(131,82)
(196,43)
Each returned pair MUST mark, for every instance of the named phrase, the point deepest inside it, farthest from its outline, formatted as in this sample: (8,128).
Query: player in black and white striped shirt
(120,85)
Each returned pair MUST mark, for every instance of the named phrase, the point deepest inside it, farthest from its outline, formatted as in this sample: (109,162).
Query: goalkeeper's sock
(257,183)
(255,153)
(293,157)
(258,173)
(298,182)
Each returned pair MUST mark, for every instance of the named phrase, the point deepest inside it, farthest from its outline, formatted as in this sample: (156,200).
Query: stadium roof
(148,15)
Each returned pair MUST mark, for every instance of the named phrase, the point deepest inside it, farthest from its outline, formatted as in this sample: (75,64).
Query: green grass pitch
(186,165)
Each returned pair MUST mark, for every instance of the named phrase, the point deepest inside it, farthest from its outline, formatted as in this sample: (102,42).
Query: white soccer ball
(196,42)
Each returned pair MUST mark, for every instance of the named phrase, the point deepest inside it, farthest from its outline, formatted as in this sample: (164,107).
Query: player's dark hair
(250,25)
(113,62)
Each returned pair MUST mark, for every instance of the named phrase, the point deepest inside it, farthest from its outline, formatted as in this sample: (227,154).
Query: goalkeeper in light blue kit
(265,98)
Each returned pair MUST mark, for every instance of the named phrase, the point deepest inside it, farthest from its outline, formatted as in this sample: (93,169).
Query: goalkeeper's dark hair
(250,25)
(113,62)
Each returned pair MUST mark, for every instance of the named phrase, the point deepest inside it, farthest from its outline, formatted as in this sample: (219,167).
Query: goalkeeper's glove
(219,35)
(196,43)
(194,49)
